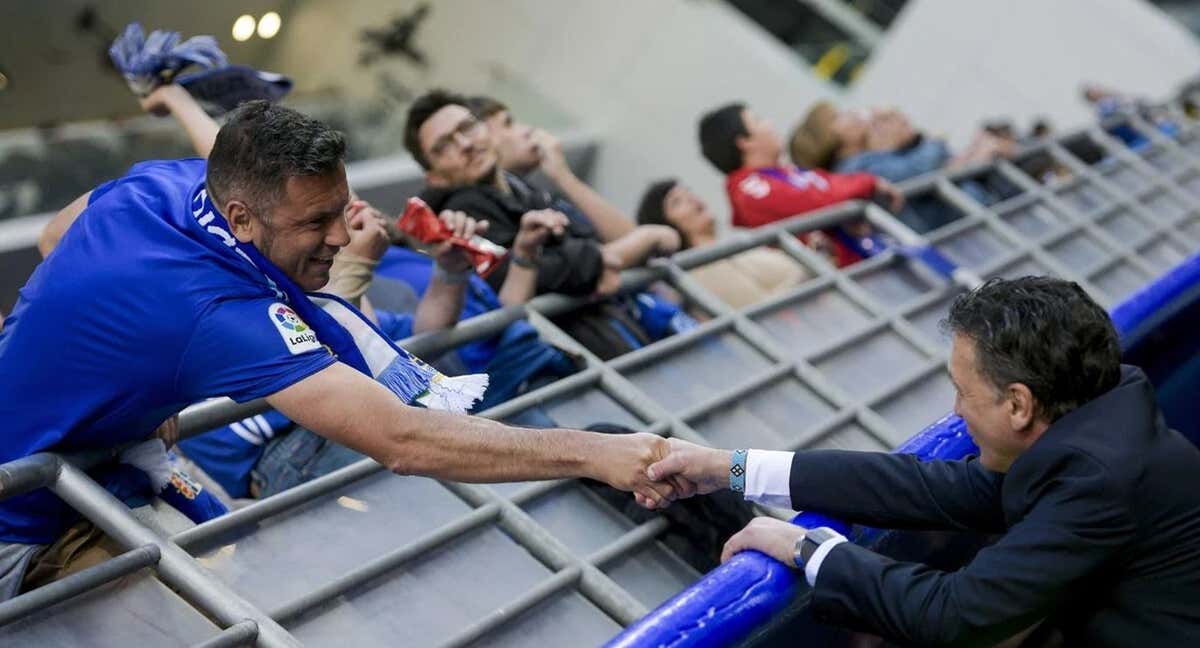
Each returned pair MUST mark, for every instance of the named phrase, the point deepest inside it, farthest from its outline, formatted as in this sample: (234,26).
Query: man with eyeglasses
(464,173)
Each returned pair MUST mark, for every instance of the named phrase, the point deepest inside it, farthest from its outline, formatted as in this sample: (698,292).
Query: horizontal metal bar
(78,583)
(629,541)
(242,633)
(737,392)
(385,563)
(672,345)
(807,222)
(27,474)
(275,504)
(175,567)
(521,604)
(539,396)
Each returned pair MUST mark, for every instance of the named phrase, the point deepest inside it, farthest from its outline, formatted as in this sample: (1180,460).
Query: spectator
(762,190)
(266,454)
(208,263)
(1110,104)
(458,151)
(740,280)
(884,143)
(463,172)
(523,149)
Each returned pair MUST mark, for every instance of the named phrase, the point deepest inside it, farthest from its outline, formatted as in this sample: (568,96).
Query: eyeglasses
(466,129)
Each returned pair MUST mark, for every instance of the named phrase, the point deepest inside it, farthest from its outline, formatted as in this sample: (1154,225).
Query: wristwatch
(806,545)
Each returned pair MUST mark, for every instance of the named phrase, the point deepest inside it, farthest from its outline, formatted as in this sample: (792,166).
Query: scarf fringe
(456,394)
(407,379)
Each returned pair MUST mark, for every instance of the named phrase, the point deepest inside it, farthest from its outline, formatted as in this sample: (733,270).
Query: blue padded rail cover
(729,603)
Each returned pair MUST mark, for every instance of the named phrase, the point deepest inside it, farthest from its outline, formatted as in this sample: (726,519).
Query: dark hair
(419,112)
(484,106)
(1044,333)
(719,130)
(652,210)
(263,144)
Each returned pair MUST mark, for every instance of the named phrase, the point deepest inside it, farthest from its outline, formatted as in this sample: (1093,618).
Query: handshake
(659,471)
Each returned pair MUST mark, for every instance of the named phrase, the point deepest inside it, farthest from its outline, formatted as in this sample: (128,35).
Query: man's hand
(162,100)
(622,462)
(696,470)
(536,227)
(554,163)
(368,231)
(449,257)
(775,538)
(888,195)
(169,431)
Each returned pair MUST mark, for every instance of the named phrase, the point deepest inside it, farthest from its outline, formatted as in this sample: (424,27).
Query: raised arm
(174,100)
(345,406)
(610,222)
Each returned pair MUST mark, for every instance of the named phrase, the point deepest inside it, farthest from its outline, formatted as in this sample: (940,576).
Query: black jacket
(1101,523)
(570,264)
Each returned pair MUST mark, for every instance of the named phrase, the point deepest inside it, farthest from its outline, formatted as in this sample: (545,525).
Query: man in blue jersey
(185,280)
(268,453)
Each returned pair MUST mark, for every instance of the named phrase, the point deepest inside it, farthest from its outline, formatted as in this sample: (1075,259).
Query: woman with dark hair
(740,280)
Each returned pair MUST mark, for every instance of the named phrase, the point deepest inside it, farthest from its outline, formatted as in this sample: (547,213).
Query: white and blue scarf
(348,335)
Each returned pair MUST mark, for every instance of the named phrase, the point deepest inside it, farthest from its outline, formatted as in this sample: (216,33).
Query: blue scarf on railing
(341,328)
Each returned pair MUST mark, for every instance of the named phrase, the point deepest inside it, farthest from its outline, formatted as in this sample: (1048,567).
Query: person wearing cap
(739,280)
(763,190)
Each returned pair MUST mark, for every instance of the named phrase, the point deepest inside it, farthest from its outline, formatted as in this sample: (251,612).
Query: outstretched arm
(345,406)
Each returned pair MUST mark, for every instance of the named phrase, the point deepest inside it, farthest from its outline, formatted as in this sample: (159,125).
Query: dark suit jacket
(1101,524)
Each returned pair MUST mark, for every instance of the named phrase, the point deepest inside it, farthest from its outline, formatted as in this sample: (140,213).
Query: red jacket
(765,195)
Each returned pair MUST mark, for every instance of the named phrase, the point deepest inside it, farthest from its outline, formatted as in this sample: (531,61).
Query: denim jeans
(298,457)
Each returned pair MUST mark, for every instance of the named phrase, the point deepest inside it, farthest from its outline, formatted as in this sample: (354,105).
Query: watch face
(812,539)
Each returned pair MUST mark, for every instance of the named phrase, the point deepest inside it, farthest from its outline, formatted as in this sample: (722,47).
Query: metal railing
(775,362)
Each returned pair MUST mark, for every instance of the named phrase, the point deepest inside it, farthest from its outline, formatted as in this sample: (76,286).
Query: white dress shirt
(768,482)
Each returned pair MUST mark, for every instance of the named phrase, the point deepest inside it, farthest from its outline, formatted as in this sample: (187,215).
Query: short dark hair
(652,210)
(719,130)
(419,112)
(263,144)
(484,106)
(1045,333)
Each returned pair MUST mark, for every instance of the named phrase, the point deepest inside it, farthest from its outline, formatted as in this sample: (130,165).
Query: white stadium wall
(951,63)
(638,74)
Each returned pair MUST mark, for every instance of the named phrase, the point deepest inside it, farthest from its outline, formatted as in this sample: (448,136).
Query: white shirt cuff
(768,477)
(814,563)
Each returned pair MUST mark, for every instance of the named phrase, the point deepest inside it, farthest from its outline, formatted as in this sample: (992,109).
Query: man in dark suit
(1095,496)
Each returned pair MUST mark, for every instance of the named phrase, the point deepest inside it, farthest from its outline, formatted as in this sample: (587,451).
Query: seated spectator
(762,190)
(523,149)
(884,143)
(1109,103)
(458,151)
(740,280)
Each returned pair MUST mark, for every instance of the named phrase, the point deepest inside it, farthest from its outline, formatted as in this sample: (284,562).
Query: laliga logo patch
(184,484)
(297,336)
